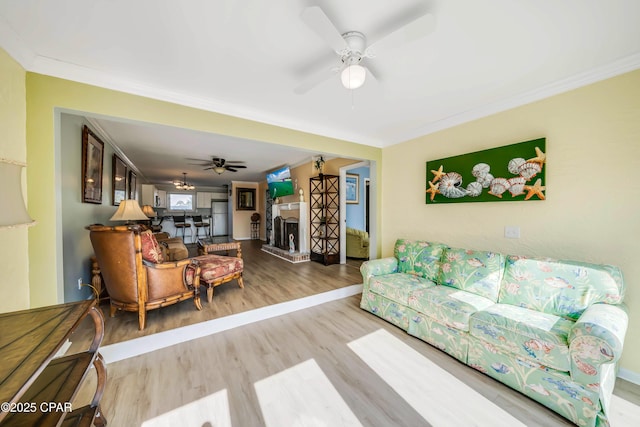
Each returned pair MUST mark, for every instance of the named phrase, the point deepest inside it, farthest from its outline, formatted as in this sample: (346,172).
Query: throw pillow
(151,250)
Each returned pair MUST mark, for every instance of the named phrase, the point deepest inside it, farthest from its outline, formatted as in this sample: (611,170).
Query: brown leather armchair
(135,275)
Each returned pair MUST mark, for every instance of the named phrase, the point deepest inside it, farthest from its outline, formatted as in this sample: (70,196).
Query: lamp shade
(13,212)
(148,211)
(129,210)
(353,76)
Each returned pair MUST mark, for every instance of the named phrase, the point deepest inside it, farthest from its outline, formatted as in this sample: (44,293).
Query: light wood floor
(232,362)
(205,380)
(268,280)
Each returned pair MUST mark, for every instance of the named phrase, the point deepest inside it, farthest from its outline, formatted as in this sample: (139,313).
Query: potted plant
(318,164)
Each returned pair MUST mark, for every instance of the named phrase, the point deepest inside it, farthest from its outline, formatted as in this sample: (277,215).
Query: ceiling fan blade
(236,166)
(315,79)
(206,169)
(317,20)
(373,71)
(230,169)
(411,29)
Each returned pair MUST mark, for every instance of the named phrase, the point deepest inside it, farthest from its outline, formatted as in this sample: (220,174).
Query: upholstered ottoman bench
(217,269)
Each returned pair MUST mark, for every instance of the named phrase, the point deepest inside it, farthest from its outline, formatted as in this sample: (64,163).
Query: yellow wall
(242,218)
(593,192)
(14,261)
(47,95)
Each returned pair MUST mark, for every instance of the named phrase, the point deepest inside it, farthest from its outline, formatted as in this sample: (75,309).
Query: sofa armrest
(377,267)
(597,339)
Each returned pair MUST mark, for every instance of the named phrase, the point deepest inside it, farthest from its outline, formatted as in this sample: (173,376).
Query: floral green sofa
(550,329)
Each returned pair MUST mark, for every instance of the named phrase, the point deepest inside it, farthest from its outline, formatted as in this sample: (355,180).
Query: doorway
(364,211)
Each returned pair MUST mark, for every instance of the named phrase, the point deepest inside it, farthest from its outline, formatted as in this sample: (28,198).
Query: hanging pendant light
(184,185)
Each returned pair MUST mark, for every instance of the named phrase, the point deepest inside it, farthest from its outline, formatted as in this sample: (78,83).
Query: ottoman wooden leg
(240,282)
(209,293)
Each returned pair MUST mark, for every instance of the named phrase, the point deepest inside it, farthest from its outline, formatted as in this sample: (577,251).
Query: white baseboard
(628,375)
(137,346)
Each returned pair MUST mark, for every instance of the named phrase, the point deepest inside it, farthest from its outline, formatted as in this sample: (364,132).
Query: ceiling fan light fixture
(353,76)
(219,170)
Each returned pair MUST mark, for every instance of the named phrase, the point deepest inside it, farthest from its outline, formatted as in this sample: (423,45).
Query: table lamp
(129,211)
(13,212)
(148,211)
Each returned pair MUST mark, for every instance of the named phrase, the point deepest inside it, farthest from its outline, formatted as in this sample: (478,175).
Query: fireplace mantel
(278,209)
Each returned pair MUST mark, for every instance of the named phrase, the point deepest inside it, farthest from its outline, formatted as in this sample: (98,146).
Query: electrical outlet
(512,232)
(80,283)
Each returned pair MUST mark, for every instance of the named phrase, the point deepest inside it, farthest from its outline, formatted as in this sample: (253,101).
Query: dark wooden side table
(37,389)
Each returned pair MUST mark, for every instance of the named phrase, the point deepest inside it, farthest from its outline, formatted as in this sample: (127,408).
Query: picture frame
(508,173)
(246,199)
(92,158)
(118,180)
(352,190)
(133,185)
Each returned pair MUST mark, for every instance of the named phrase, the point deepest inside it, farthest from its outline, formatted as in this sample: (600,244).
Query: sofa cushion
(449,306)
(398,286)
(151,250)
(564,288)
(537,336)
(473,271)
(419,257)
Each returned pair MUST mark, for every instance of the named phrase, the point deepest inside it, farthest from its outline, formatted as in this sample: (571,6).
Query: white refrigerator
(219,218)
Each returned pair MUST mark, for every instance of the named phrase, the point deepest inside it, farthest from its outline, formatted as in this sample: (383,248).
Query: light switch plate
(512,232)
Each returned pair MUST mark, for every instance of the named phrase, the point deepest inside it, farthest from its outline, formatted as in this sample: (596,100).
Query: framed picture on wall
(246,199)
(92,156)
(133,185)
(118,181)
(353,188)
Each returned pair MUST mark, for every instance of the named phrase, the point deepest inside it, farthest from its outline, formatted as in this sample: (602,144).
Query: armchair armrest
(377,267)
(597,339)
(173,277)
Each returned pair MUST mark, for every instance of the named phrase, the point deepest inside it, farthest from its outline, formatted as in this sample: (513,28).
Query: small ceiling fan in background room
(220,165)
(354,54)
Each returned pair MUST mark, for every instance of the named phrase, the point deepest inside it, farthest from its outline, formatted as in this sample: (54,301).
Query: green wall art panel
(513,172)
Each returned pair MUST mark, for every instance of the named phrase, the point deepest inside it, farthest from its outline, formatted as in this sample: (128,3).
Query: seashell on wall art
(504,170)
(450,185)
(485,180)
(516,185)
(481,169)
(514,165)
(474,189)
(498,186)
(529,169)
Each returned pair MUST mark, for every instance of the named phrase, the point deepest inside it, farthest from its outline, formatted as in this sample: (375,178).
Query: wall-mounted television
(279,182)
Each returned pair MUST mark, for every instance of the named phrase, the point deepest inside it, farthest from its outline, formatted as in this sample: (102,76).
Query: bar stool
(180,222)
(198,224)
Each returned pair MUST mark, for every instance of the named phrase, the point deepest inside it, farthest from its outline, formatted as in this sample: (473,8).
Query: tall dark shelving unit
(325,219)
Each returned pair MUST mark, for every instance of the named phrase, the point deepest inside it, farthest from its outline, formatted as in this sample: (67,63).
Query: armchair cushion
(151,250)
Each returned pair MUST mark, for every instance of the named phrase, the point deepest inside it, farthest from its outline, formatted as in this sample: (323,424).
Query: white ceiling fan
(352,49)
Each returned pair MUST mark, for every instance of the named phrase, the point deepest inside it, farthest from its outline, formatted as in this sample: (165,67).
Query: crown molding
(51,67)
(15,47)
(621,66)
(94,77)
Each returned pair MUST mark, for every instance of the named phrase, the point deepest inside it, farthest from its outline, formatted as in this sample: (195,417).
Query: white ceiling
(245,57)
